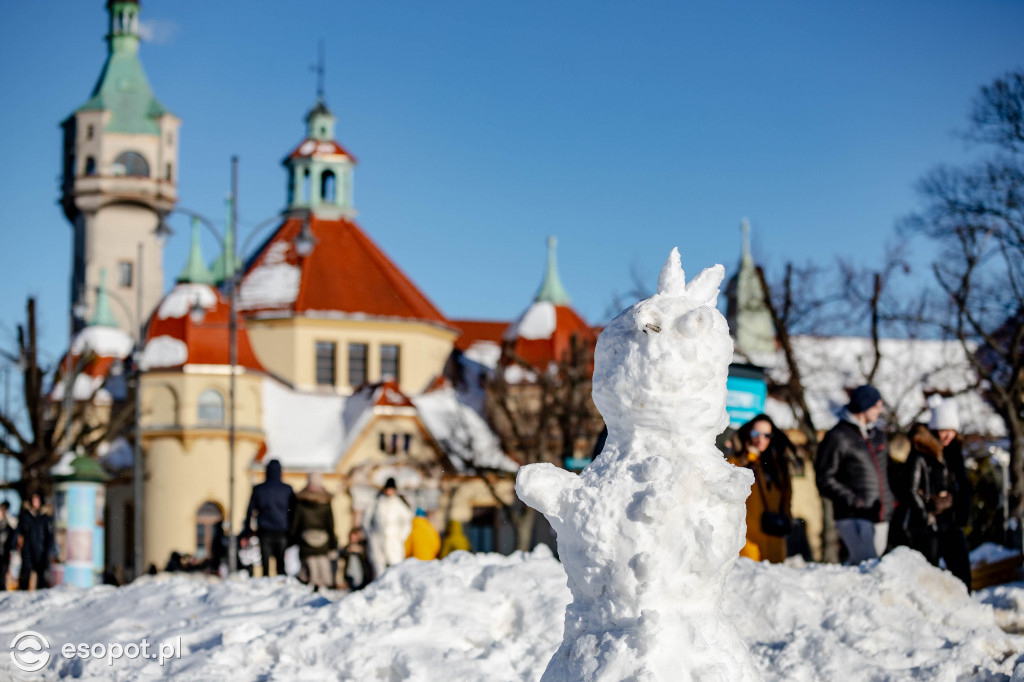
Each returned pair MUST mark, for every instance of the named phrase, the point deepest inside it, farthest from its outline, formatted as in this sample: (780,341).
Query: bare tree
(974,214)
(548,416)
(49,429)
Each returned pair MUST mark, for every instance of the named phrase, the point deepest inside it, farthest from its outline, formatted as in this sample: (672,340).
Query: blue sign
(744,399)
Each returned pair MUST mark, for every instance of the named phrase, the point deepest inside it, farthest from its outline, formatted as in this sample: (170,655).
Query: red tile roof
(478,330)
(389,395)
(346,272)
(207,341)
(311,147)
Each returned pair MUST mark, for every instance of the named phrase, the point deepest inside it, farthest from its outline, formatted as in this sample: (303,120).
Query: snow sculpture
(648,532)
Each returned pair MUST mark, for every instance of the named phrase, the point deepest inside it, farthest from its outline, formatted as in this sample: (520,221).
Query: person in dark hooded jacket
(35,528)
(273,503)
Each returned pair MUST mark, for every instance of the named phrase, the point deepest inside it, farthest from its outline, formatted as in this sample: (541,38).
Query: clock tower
(120,174)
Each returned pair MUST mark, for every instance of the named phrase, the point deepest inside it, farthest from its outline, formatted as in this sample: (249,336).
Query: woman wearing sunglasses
(762,451)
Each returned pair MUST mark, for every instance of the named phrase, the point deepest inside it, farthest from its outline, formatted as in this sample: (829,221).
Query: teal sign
(744,399)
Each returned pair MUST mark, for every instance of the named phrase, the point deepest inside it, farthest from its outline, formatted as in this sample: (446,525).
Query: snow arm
(545,487)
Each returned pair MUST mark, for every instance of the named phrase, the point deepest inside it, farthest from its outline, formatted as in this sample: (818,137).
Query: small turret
(195,271)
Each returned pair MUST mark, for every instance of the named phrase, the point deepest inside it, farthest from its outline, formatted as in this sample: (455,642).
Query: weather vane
(319,70)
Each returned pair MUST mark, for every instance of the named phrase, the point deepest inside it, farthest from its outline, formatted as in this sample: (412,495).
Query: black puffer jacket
(853,473)
(273,502)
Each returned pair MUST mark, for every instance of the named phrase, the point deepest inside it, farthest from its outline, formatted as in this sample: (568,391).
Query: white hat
(944,414)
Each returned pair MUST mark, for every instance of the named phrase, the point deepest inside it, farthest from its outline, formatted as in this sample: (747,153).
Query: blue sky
(624,128)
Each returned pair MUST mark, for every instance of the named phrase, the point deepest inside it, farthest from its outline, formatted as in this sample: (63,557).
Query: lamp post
(138,471)
(303,245)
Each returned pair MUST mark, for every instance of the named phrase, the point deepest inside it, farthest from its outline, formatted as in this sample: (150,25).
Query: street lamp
(304,243)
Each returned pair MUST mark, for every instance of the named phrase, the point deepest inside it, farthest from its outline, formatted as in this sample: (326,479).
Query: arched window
(211,407)
(131,164)
(90,165)
(328,187)
(305,186)
(168,172)
(208,523)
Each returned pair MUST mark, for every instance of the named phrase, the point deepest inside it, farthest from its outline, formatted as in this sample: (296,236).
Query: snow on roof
(314,430)
(163,351)
(179,301)
(909,369)
(538,322)
(272,284)
(303,430)
(105,342)
(85,387)
(461,432)
(486,353)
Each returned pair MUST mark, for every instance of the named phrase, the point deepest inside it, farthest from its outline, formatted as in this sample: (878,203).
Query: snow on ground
(494,618)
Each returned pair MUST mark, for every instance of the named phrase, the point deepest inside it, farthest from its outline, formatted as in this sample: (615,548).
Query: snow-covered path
(489,617)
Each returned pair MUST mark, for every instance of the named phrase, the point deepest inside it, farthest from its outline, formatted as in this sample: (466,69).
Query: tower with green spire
(120,174)
(195,270)
(551,289)
(224,266)
(750,321)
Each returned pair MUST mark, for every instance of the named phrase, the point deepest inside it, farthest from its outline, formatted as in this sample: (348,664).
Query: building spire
(102,316)
(551,289)
(745,229)
(225,266)
(320,69)
(195,270)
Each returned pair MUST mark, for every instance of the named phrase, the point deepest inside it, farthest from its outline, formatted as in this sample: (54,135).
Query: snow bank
(485,617)
(990,552)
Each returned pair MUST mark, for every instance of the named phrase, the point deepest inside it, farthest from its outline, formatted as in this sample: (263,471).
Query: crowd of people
(389,532)
(877,502)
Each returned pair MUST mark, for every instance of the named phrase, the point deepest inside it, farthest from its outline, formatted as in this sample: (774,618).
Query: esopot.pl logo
(30,651)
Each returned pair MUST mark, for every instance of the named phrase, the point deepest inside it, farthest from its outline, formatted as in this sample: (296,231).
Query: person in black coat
(852,471)
(272,503)
(8,541)
(938,493)
(35,528)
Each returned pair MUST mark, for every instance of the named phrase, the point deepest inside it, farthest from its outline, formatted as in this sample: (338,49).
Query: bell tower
(120,174)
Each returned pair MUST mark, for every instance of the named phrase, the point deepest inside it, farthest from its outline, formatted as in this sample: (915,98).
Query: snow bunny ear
(672,279)
(703,289)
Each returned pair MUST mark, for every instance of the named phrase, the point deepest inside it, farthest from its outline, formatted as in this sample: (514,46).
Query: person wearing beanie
(388,523)
(948,542)
(852,471)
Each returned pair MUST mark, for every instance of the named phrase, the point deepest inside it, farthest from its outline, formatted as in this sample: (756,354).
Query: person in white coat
(388,524)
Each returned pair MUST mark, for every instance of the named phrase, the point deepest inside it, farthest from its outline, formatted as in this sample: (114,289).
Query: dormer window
(131,164)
